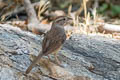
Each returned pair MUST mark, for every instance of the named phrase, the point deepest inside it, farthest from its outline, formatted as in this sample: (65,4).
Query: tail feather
(34,62)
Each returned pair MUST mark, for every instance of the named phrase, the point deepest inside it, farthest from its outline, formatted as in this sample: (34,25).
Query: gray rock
(96,57)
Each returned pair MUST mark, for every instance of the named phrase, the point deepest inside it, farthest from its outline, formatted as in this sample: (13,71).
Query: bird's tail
(34,62)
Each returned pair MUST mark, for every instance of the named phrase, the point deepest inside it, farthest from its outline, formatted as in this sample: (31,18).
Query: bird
(53,40)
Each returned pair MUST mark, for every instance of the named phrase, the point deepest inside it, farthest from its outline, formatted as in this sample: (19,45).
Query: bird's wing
(52,42)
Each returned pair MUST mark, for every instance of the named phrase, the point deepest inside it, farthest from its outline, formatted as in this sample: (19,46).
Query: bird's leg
(49,57)
(56,59)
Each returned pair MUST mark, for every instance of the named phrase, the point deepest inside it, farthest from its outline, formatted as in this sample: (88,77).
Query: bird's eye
(64,19)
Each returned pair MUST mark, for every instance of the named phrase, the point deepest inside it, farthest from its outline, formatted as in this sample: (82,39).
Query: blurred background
(90,16)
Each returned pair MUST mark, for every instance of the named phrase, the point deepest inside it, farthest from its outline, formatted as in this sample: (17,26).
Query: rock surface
(82,57)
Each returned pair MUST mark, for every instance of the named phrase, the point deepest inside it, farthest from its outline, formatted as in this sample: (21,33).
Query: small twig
(85,9)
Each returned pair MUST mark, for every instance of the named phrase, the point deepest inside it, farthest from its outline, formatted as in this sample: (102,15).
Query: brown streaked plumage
(53,39)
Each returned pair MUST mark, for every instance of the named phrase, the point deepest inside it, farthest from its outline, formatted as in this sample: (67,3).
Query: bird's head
(63,20)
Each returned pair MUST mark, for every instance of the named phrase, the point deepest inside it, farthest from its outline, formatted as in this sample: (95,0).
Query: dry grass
(90,24)
(44,5)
